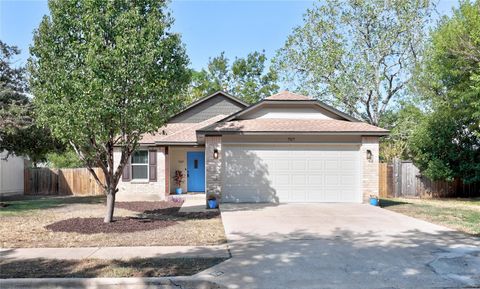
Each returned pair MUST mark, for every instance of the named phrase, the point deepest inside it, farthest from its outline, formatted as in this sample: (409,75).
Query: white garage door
(291,173)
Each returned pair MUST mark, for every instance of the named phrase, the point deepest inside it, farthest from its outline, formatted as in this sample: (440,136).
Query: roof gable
(291,100)
(218,103)
(287,95)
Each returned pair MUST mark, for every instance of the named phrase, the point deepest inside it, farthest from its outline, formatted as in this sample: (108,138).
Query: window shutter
(126,172)
(152,165)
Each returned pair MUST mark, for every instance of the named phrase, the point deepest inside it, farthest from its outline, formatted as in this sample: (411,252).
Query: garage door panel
(281,179)
(299,165)
(298,180)
(315,164)
(291,173)
(282,164)
(316,180)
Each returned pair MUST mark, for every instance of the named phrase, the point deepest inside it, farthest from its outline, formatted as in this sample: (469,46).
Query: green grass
(24,204)
(459,214)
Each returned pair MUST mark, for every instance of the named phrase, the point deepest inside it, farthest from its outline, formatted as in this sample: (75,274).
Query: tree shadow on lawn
(89,268)
(19,204)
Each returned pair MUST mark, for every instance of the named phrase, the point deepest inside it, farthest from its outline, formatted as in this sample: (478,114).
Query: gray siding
(212,107)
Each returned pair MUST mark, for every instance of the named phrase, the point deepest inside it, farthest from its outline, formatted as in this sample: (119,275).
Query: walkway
(218,251)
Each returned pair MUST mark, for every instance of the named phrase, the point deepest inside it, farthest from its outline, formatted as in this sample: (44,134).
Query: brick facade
(213,167)
(369,167)
(143,190)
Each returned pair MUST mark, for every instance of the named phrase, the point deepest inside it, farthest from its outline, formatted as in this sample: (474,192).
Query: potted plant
(212,201)
(178,178)
(374,201)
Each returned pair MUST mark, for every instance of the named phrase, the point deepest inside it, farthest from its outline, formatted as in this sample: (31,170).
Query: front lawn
(77,222)
(458,214)
(90,268)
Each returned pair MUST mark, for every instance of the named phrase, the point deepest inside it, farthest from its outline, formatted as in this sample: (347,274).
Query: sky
(207,27)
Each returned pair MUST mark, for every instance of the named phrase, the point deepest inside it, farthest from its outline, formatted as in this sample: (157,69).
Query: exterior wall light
(215,154)
(369,155)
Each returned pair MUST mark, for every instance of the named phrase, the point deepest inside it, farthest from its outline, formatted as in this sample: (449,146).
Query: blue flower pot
(178,191)
(374,201)
(212,204)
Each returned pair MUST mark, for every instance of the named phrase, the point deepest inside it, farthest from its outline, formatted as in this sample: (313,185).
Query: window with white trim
(139,165)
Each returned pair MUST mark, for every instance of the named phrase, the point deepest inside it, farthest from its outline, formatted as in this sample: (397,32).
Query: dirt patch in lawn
(89,268)
(119,225)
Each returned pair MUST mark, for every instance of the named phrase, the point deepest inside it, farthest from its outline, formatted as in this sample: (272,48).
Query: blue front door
(196,171)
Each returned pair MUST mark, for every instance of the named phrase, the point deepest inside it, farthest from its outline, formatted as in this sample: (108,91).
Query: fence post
(397,177)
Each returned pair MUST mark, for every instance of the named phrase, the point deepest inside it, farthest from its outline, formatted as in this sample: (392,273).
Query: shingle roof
(178,132)
(294,125)
(287,95)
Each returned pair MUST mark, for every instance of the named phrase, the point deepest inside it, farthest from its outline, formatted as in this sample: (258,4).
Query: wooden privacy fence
(77,182)
(403,179)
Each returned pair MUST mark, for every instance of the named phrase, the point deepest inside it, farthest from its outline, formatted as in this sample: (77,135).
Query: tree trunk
(110,205)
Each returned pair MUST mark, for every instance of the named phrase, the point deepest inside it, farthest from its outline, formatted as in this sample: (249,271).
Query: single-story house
(284,148)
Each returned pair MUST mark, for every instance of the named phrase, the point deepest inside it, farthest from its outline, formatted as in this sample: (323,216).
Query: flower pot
(374,201)
(212,204)
(178,191)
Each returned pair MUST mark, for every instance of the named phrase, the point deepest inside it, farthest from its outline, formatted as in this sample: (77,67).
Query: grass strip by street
(459,214)
(90,268)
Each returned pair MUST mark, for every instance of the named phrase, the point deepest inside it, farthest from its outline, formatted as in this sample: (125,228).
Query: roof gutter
(219,133)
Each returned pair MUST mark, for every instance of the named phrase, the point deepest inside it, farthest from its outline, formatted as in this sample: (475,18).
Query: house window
(140,165)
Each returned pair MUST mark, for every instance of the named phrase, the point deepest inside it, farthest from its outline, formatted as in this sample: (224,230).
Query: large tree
(355,54)
(402,123)
(446,144)
(248,78)
(14,103)
(103,73)
(19,133)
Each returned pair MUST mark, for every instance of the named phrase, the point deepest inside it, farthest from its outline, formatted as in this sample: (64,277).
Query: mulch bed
(199,215)
(165,208)
(89,268)
(156,215)
(162,207)
(119,225)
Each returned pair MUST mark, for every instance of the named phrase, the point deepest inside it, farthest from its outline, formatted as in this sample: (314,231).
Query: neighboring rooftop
(287,95)
(293,125)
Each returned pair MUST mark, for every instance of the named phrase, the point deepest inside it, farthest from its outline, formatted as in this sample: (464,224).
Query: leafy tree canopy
(401,123)
(356,54)
(65,159)
(19,133)
(14,103)
(446,144)
(103,73)
(246,78)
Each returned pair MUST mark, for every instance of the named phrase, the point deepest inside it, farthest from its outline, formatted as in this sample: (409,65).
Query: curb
(110,283)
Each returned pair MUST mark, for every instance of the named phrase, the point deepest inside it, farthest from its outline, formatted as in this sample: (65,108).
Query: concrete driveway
(341,246)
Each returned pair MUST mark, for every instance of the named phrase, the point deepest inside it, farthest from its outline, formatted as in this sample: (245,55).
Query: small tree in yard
(103,73)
